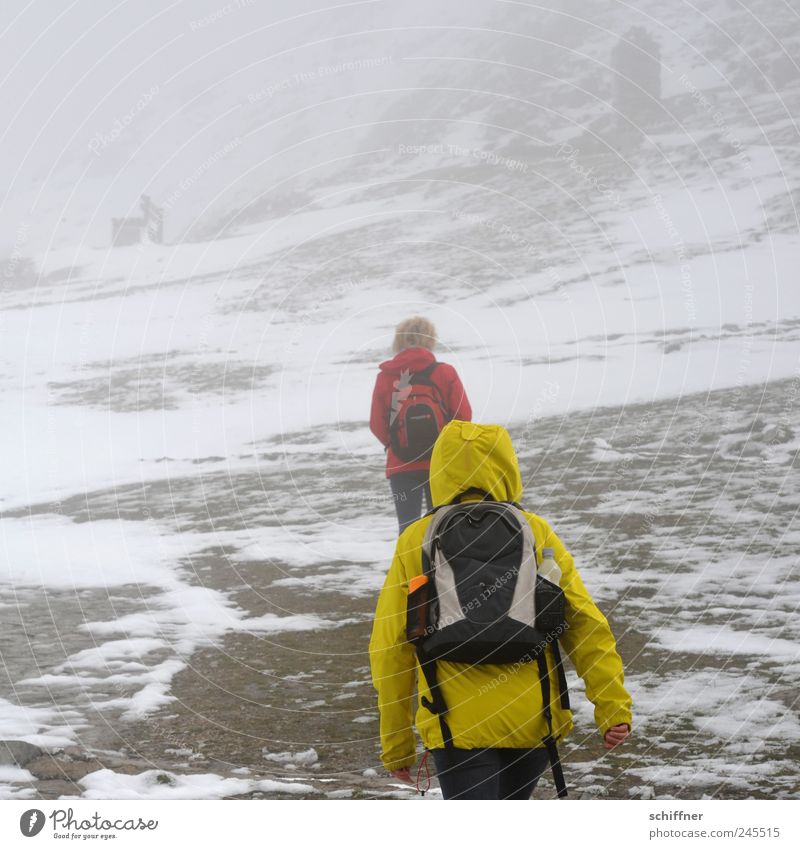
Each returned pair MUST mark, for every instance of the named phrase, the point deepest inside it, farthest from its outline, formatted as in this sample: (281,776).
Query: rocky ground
(682,516)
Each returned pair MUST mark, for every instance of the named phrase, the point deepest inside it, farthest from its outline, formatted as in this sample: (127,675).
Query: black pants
(489,773)
(407,491)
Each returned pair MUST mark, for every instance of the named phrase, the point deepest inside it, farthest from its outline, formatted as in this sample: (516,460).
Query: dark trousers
(408,489)
(489,773)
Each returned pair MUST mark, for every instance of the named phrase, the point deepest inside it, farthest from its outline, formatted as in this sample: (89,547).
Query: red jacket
(447,381)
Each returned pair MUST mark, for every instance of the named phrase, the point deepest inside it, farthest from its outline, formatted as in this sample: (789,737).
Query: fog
(105,102)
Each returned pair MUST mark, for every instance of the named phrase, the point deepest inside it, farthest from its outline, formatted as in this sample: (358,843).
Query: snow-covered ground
(193,518)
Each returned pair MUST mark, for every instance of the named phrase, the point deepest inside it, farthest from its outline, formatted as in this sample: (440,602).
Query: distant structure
(148,228)
(637,82)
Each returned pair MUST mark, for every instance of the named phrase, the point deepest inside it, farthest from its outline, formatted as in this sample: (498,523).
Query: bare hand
(616,736)
(403,774)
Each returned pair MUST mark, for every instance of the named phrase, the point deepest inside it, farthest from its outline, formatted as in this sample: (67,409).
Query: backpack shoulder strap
(431,533)
(424,375)
(549,740)
(436,704)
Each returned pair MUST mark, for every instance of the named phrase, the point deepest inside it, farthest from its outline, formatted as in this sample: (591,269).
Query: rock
(17,753)
(57,790)
(47,768)
(77,754)
(128,767)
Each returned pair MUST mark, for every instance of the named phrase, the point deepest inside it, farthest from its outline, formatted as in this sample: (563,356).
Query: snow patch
(11,777)
(39,726)
(155,784)
(308,758)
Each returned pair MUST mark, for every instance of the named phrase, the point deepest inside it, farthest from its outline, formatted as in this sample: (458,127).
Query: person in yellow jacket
(494,711)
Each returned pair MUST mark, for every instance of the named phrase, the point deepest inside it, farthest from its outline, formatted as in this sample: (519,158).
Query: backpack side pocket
(550,607)
(418,608)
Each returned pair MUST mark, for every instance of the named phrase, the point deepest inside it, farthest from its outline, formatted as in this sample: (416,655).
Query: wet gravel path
(683,518)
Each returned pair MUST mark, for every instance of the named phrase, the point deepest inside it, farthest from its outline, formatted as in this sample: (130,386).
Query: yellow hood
(474,455)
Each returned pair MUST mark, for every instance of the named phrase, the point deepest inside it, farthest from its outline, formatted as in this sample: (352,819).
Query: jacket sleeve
(457,402)
(591,646)
(379,414)
(393,664)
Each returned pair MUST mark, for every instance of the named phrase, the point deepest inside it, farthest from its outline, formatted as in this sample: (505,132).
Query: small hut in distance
(636,59)
(149,227)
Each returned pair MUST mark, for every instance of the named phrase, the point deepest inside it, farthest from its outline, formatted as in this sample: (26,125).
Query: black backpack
(481,600)
(418,414)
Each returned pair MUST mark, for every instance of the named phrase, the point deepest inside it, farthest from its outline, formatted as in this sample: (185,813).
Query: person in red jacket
(414,341)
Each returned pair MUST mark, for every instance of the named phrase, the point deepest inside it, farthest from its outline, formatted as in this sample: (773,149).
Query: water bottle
(548,568)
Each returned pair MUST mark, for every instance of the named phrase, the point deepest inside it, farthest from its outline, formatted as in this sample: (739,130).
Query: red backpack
(417,416)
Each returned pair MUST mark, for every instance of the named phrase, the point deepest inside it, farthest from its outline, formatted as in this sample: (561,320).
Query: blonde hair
(414,332)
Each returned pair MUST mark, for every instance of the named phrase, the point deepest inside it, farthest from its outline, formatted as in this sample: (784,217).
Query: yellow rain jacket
(489,705)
